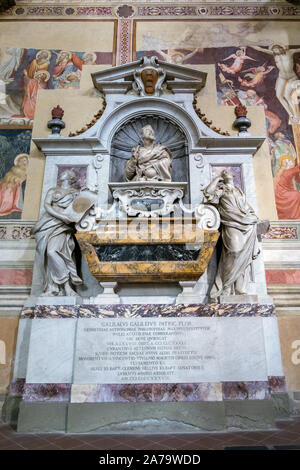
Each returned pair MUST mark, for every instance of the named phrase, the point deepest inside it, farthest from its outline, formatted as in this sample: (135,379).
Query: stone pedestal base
(147,368)
(187,296)
(53,300)
(245,299)
(238,299)
(108,296)
(147,418)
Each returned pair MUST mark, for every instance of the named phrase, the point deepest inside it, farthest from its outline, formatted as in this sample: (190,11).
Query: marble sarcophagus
(147,250)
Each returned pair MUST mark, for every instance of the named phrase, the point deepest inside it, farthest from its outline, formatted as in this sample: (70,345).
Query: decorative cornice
(135,2)
(16,229)
(72,9)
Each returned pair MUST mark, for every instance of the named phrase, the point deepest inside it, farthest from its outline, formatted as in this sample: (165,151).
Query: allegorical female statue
(239,235)
(54,235)
(151,162)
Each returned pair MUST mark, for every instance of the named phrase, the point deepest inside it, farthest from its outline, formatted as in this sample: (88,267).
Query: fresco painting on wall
(24,71)
(216,170)
(80,172)
(261,72)
(14,159)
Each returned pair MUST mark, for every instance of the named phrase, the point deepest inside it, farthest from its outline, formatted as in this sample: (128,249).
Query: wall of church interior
(46,56)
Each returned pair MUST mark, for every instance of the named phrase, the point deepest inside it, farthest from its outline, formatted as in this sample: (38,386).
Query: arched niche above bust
(166,132)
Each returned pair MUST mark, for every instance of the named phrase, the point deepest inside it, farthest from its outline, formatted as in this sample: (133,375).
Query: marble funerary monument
(149,310)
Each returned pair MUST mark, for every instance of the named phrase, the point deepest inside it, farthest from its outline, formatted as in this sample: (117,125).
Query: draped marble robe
(239,237)
(54,235)
(149,164)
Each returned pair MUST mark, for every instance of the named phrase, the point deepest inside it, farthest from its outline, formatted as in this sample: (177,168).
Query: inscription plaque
(145,350)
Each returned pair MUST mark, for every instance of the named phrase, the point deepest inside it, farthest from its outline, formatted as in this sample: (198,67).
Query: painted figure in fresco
(257,75)
(71,80)
(88,58)
(64,65)
(36,76)
(55,243)
(282,146)
(238,60)
(176,57)
(8,67)
(216,35)
(70,76)
(228,97)
(287,196)
(41,62)
(151,162)
(32,86)
(287,83)
(11,198)
(251,98)
(239,235)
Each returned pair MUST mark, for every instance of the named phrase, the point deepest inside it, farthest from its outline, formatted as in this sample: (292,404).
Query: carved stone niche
(167,133)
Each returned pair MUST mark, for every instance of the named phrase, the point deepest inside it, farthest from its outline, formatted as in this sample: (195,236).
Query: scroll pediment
(149,76)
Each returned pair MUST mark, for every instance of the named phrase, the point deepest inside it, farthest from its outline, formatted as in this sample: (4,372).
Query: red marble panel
(283,276)
(15,277)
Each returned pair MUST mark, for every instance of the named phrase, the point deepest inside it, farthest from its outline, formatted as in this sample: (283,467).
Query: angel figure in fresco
(238,61)
(287,197)
(176,57)
(287,84)
(11,198)
(257,75)
(32,86)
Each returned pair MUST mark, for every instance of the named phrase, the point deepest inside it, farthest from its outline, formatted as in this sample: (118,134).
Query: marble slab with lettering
(153,350)
(169,350)
(150,350)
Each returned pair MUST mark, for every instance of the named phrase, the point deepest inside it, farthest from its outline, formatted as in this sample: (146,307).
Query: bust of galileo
(150,162)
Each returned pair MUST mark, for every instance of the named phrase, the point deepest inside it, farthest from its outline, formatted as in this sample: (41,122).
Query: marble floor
(287,435)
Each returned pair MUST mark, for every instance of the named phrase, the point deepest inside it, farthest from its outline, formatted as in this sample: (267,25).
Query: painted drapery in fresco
(14,159)
(253,68)
(24,71)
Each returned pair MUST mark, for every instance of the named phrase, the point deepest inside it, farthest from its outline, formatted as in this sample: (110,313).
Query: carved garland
(202,116)
(206,121)
(91,123)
